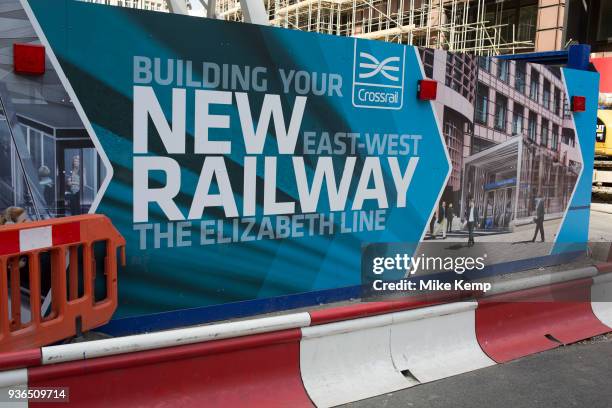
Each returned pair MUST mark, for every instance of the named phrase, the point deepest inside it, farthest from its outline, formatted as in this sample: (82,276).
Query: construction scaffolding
(453,25)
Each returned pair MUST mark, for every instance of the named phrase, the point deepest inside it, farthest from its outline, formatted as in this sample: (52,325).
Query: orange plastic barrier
(62,257)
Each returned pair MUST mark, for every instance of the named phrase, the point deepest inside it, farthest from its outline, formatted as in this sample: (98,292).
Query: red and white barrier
(259,370)
(517,323)
(351,360)
(437,342)
(171,338)
(13,241)
(601,295)
(326,357)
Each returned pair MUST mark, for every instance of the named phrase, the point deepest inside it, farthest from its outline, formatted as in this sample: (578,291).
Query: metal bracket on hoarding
(253,10)
(575,56)
(178,7)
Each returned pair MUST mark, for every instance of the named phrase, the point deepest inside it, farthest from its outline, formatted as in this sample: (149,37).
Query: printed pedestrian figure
(441,224)
(74,185)
(432,224)
(539,220)
(46,186)
(450,214)
(471,216)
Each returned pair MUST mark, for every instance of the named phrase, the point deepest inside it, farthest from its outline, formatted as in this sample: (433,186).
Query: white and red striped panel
(16,239)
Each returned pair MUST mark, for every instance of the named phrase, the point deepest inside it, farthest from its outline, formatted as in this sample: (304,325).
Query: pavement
(602,207)
(600,227)
(525,232)
(498,248)
(569,376)
(600,231)
(517,245)
(522,232)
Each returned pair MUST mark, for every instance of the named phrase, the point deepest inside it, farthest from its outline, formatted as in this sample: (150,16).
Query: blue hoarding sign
(244,167)
(246,163)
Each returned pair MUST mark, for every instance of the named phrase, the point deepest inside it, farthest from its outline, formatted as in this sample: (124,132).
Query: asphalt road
(578,375)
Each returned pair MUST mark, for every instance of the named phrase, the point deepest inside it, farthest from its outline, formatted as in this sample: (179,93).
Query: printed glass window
(568,137)
(35,147)
(7,192)
(517,120)
(546,94)
(520,77)
(501,110)
(502,70)
(555,137)
(557,102)
(427,56)
(484,63)
(482,102)
(531,126)
(544,133)
(46,173)
(534,86)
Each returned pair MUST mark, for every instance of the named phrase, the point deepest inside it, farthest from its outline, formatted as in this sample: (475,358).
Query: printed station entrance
(491,178)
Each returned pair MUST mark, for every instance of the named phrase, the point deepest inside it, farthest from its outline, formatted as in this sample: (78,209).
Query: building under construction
(483,27)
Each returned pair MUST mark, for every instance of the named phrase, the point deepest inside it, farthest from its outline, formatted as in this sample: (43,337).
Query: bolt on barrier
(58,278)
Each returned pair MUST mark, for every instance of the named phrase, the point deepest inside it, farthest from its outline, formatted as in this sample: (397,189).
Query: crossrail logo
(376,66)
(378,75)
